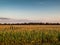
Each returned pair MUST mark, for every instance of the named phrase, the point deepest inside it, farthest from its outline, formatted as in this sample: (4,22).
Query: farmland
(29,34)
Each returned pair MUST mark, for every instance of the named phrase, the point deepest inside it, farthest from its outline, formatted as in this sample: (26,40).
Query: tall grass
(34,37)
(29,35)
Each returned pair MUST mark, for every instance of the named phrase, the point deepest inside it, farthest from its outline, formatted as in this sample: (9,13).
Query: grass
(28,35)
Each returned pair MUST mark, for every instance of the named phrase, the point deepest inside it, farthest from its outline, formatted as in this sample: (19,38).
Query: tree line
(30,24)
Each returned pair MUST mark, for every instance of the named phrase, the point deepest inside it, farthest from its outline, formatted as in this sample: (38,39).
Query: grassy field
(29,34)
(29,27)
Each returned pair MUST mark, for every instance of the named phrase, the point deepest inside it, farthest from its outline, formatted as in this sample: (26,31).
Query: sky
(31,9)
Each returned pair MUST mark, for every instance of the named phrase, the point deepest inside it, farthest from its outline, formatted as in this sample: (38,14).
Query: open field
(29,34)
(29,27)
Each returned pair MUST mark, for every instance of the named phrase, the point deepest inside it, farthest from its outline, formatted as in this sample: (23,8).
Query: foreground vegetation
(51,37)
(33,36)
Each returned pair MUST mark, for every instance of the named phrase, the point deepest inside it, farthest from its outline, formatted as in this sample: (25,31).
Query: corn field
(33,36)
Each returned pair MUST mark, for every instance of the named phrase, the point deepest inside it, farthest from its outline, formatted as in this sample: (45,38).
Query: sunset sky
(47,10)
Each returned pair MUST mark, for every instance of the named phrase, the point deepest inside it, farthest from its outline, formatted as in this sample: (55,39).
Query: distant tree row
(30,24)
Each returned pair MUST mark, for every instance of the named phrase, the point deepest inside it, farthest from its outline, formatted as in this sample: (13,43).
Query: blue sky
(30,9)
